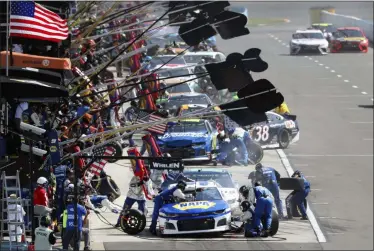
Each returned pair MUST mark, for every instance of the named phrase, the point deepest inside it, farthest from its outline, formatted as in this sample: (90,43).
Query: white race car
(205,211)
(308,41)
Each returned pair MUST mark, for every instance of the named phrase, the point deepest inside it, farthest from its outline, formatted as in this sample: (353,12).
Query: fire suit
(264,206)
(239,138)
(41,197)
(270,179)
(299,197)
(159,200)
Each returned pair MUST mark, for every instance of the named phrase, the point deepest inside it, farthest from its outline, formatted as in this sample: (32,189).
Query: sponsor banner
(165,164)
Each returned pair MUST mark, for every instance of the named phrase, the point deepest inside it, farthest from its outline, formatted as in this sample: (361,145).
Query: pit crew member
(270,179)
(282,109)
(44,237)
(264,206)
(161,198)
(299,197)
(238,138)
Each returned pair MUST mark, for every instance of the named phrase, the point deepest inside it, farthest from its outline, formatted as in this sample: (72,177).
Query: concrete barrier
(348,21)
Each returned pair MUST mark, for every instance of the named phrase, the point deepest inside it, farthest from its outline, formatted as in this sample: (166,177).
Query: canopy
(12,87)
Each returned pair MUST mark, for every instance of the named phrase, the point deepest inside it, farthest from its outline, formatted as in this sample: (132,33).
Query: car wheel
(118,151)
(283,138)
(274,223)
(133,222)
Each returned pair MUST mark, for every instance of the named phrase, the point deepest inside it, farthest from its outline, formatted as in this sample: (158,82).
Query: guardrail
(348,21)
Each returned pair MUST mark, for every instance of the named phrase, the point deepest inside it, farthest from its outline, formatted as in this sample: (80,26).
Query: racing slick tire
(274,223)
(107,186)
(118,151)
(284,138)
(133,221)
(255,152)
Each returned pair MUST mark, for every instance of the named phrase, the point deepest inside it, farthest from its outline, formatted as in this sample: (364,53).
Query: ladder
(10,206)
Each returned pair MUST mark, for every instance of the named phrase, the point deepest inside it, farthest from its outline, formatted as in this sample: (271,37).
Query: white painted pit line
(332,71)
(327,67)
(321,64)
(354,86)
(364,93)
(288,46)
(284,44)
(312,218)
(346,80)
(316,61)
(339,76)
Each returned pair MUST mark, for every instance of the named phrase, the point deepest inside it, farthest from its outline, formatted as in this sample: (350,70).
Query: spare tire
(107,186)
(133,221)
(284,138)
(118,151)
(274,223)
(255,152)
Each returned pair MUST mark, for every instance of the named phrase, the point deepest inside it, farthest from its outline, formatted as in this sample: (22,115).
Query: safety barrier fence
(348,21)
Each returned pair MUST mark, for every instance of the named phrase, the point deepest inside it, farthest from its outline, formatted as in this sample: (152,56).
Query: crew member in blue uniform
(264,206)
(299,197)
(270,179)
(160,199)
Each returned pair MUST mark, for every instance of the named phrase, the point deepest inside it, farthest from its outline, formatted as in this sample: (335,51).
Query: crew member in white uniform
(15,214)
(44,237)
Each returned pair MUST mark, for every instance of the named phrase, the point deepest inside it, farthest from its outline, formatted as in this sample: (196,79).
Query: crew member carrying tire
(298,197)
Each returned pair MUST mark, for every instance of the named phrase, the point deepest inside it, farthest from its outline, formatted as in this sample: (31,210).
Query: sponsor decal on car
(194,205)
(185,134)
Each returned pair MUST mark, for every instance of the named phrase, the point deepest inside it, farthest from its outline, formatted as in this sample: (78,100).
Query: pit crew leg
(158,204)
(278,202)
(141,206)
(267,212)
(128,204)
(259,211)
(298,198)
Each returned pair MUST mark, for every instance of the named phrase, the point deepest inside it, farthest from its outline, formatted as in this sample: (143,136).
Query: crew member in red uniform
(40,193)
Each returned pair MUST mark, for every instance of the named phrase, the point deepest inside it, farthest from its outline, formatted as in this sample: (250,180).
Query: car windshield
(177,101)
(174,73)
(188,127)
(328,28)
(224,179)
(349,33)
(191,109)
(165,59)
(209,193)
(194,59)
(179,88)
(308,35)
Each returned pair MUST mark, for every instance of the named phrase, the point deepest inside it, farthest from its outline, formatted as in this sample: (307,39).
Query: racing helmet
(244,191)
(297,173)
(42,181)
(245,205)
(181,185)
(45,221)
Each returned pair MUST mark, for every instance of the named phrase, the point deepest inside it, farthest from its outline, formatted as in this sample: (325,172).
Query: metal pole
(31,192)
(7,37)
(75,202)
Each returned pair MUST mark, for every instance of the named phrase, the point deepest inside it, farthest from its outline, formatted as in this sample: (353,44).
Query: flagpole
(7,38)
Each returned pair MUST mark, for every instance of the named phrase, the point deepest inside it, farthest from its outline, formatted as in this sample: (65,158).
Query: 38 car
(278,132)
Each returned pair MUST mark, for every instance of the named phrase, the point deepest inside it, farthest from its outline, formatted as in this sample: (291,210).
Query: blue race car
(205,211)
(191,139)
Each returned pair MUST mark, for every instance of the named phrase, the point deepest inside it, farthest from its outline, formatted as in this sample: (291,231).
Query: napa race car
(349,38)
(190,139)
(311,41)
(205,211)
(277,132)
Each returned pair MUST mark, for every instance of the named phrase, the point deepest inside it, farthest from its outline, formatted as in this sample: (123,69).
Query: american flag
(31,20)
(145,117)
(97,166)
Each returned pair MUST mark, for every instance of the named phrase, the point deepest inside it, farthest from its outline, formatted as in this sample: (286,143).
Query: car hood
(309,41)
(352,39)
(183,139)
(175,80)
(194,207)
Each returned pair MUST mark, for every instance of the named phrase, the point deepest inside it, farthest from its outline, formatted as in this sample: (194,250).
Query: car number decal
(262,133)
(289,124)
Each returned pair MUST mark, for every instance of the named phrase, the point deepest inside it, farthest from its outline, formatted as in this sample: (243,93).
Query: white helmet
(42,181)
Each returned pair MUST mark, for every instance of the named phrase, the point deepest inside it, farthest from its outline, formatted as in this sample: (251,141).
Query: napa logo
(194,205)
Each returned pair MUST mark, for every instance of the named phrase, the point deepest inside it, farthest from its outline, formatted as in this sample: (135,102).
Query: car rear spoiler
(291,117)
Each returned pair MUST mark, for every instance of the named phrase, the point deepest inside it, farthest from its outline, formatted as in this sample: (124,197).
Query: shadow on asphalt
(366,106)
(301,54)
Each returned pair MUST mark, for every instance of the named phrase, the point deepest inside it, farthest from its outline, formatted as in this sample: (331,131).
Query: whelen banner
(167,164)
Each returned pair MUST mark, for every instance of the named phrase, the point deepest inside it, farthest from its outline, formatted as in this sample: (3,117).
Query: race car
(175,73)
(349,38)
(190,108)
(311,41)
(205,211)
(326,28)
(225,184)
(191,139)
(277,132)
(176,100)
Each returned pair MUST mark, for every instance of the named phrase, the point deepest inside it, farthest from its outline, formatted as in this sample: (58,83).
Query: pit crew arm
(277,175)
(178,193)
(89,203)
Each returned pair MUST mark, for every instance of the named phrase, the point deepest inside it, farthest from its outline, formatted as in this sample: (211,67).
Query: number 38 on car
(277,132)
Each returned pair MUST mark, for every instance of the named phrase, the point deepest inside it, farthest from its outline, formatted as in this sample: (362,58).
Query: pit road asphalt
(335,150)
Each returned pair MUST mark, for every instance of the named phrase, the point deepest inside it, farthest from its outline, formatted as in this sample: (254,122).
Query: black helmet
(245,205)
(258,184)
(296,173)
(258,167)
(45,221)
(181,185)
(243,190)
